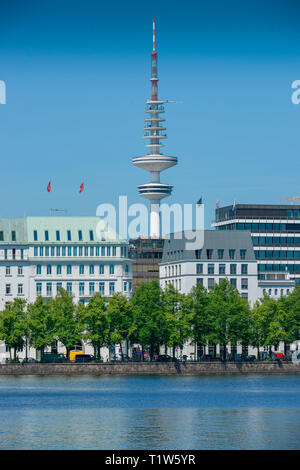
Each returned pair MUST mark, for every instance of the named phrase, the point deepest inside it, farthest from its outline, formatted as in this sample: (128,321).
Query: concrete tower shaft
(154,161)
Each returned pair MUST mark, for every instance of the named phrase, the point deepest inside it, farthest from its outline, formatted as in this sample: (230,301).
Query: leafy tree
(68,321)
(229,314)
(96,323)
(119,312)
(149,323)
(201,324)
(12,325)
(177,317)
(41,323)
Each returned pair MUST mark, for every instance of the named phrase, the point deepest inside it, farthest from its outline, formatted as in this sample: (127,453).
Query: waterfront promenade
(151,368)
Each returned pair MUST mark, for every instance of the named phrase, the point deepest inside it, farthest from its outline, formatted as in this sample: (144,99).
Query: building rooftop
(57,230)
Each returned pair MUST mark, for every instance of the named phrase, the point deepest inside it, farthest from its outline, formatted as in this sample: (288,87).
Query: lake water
(153,412)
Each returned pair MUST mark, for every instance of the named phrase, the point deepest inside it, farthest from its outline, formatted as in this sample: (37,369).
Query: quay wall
(154,368)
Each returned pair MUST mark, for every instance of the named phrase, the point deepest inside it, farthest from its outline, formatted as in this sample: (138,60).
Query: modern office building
(211,257)
(40,254)
(275,232)
(146,254)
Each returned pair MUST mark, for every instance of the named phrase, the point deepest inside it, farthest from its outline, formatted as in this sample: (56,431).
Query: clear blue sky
(77,76)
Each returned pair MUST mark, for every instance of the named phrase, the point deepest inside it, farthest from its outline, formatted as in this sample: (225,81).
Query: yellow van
(73,355)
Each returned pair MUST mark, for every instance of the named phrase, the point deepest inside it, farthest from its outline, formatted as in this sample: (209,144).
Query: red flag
(81,188)
(49,187)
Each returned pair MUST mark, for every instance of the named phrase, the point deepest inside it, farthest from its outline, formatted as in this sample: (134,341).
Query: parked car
(28,360)
(278,356)
(80,358)
(166,358)
(52,357)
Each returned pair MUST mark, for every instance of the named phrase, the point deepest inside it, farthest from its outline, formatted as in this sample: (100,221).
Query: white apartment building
(40,254)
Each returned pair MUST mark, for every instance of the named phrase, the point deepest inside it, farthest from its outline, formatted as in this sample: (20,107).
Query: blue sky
(77,76)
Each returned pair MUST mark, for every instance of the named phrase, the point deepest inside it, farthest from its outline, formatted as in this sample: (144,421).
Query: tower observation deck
(154,161)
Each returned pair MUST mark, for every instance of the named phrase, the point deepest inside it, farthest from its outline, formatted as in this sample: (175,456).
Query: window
(58,269)
(81,289)
(111,269)
(102,250)
(114,251)
(211,282)
(209,254)
(58,251)
(91,269)
(20,270)
(46,250)
(101,269)
(231,254)
(198,254)
(244,269)
(91,235)
(69,251)
(5,253)
(80,235)
(233,269)
(69,269)
(211,269)
(35,235)
(243,254)
(38,269)
(41,251)
(199,268)
(91,251)
(57,235)
(199,280)
(22,253)
(74,250)
(46,235)
(221,268)
(81,269)
(13,253)
(220,254)
(7,271)
(69,286)
(125,286)
(49,289)
(58,286)
(111,288)
(244,295)
(8,289)
(244,283)
(1,236)
(270,291)
(91,288)
(20,289)
(101,288)
(69,235)
(13,235)
(49,269)
(52,251)
(80,251)
(108,251)
(63,251)
(38,288)
(86,251)
(127,269)
(233,282)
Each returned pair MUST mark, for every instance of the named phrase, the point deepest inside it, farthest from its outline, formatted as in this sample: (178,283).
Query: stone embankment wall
(148,368)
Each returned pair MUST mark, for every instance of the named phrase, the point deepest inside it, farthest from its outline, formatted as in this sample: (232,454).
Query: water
(153,412)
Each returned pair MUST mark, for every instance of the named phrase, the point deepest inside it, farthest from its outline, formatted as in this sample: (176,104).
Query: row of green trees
(153,317)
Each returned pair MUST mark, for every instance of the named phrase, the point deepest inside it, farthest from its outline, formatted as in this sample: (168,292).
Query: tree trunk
(173,351)
(224,352)
(258,355)
(122,355)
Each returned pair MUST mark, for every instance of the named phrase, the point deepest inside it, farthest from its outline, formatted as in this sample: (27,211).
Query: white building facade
(38,255)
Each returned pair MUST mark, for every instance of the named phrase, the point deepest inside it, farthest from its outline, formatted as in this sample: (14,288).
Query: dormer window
(91,235)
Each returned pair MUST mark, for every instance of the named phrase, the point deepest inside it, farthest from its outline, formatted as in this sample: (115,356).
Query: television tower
(154,161)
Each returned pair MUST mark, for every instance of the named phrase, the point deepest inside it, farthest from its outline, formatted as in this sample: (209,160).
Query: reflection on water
(224,412)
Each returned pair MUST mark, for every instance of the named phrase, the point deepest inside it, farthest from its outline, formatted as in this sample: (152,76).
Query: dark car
(166,358)
(52,357)
(80,358)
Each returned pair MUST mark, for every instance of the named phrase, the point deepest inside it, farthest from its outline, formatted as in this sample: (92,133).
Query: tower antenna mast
(154,161)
